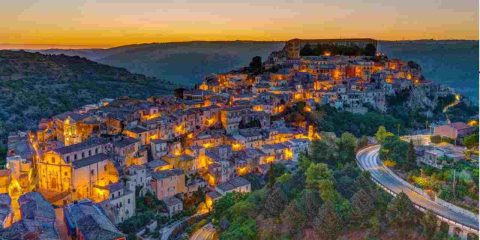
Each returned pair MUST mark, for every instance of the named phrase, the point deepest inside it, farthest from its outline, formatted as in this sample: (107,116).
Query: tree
(362,142)
(375,225)
(244,230)
(319,176)
(327,224)
(309,202)
(401,212)
(317,172)
(395,149)
(429,224)
(411,155)
(363,206)
(178,92)
(471,141)
(275,202)
(346,147)
(294,217)
(414,65)
(223,204)
(275,170)
(323,152)
(256,66)
(306,50)
(363,181)
(382,133)
(370,50)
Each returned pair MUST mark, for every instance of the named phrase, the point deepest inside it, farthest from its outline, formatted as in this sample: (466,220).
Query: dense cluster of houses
(94,161)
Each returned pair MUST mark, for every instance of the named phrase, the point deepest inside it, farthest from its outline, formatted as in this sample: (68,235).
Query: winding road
(454,103)
(207,232)
(368,160)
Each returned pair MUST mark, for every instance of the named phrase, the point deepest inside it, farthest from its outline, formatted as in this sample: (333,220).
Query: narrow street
(60,225)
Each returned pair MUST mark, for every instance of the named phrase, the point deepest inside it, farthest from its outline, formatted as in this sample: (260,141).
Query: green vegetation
(471,141)
(321,49)
(396,151)
(329,119)
(148,209)
(34,86)
(326,198)
(454,182)
(439,139)
(332,120)
(418,107)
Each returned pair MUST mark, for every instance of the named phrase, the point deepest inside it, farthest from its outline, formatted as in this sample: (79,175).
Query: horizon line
(46,46)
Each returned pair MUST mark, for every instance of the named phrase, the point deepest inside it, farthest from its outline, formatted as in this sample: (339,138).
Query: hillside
(183,62)
(34,85)
(453,63)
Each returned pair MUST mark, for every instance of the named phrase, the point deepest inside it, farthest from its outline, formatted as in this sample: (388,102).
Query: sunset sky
(107,23)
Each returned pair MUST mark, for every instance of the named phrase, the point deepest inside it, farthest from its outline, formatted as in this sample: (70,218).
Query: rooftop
(124,141)
(166,173)
(172,201)
(90,221)
(81,146)
(90,160)
(157,163)
(233,183)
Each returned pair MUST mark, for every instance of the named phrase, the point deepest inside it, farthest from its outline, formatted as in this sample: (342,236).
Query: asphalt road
(368,160)
(207,232)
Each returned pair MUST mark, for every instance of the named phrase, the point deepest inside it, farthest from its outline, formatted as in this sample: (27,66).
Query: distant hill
(183,62)
(454,63)
(34,85)
(450,62)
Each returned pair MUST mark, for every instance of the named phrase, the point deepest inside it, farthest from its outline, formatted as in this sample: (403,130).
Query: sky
(108,23)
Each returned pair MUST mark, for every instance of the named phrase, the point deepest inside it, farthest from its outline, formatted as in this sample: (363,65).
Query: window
(83,154)
(75,156)
(53,159)
(128,200)
(96,150)
(68,158)
(105,168)
(89,153)
(92,172)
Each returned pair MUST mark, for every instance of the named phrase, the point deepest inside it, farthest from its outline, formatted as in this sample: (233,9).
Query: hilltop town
(93,163)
